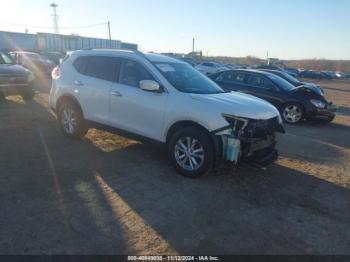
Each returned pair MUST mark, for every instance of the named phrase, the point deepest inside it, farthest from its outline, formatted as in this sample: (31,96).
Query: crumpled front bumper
(322,113)
(256,151)
(263,158)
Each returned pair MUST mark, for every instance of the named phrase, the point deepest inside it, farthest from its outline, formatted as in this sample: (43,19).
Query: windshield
(284,84)
(187,80)
(291,78)
(5,59)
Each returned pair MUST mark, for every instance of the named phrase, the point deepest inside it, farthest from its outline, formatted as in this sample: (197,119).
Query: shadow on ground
(326,133)
(60,196)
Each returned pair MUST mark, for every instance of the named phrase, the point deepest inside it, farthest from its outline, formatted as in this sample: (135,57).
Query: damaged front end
(249,140)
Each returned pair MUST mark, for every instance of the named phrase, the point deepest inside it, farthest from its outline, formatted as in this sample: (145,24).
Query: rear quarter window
(80,64)
(100,67)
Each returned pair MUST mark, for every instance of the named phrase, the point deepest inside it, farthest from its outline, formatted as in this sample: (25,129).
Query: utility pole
(193,40)
(267,58)
(109,33)
(55,18)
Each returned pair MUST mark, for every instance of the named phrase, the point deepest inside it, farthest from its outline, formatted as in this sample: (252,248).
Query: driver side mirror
(150,85)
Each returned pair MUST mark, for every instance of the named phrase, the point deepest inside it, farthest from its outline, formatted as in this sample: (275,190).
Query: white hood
(239,104)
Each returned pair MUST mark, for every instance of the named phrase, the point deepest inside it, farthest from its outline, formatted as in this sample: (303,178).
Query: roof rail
(137,52)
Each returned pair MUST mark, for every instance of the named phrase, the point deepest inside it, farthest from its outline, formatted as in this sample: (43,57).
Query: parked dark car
(314,74)
(54,57)
(39,65)
(326,75)
(294,103)
(292,71)
(294,81)
(270,67)
(14,79)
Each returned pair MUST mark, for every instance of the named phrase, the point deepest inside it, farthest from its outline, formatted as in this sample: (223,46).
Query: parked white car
(163,99)
(209,68)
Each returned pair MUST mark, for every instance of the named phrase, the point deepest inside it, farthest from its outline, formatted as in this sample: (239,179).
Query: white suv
(165,100)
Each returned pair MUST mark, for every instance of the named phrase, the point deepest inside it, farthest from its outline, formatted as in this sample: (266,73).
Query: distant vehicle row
(209,67)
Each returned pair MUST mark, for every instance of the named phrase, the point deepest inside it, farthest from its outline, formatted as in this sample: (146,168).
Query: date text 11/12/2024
(173,258)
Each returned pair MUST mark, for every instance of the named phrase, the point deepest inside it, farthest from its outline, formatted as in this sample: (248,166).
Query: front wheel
(292,113)
(191,152)
(71,120)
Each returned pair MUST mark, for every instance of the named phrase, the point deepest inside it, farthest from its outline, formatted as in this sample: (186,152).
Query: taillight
(56,72)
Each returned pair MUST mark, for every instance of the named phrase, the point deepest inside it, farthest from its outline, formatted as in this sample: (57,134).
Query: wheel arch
(216,142)
(293,102)
(68,98)
(181,124)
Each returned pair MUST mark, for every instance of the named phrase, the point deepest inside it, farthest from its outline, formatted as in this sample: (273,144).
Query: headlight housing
(318,103)
(238,123)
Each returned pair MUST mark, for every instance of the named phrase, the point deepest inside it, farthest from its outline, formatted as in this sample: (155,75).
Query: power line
(50,27)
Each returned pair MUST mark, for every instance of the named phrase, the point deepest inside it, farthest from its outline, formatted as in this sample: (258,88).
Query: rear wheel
(292,113)
(191,152)
(71,120)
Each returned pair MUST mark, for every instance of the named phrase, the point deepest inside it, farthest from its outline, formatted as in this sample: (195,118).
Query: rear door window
(80,64)
(132,73)
(103,67)
(232,77)
(259,82)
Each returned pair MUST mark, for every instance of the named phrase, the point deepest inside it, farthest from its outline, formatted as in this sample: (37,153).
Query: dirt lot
(110,195)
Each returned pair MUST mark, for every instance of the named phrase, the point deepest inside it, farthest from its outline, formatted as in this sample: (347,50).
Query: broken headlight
(238,124)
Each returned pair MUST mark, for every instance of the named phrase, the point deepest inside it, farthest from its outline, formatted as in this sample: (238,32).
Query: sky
(287,29)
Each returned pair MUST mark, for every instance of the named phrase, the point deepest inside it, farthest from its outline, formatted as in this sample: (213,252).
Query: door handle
(78,83)
(116,93)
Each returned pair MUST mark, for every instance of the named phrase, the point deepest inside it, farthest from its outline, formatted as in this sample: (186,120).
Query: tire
(292,113)
(71,120)
(27,94)
(202,151)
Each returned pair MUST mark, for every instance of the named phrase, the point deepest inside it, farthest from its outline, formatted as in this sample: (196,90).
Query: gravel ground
(110,195)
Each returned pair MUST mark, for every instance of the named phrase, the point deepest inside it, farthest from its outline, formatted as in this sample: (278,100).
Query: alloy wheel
(69,121)
(292,114)
(189,153)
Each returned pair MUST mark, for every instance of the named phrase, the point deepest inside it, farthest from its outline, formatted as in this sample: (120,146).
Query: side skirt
(126,134)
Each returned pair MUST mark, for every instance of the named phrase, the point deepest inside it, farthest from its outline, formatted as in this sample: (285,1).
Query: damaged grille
(262,128)
(252,128)
(254,135)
